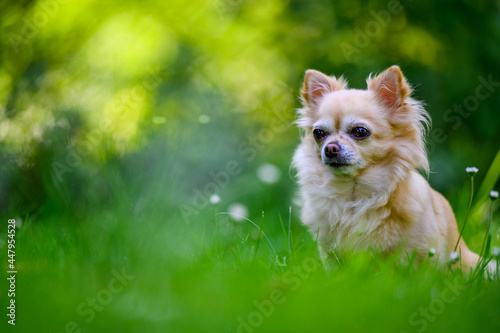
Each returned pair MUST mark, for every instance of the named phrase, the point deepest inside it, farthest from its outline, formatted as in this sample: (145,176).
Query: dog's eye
(360,132)
(319,134)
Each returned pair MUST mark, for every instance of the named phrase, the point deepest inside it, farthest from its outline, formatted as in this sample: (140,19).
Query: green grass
(138,102)
(217,275)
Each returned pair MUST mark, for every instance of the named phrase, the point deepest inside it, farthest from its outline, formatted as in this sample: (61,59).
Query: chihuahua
(358,169)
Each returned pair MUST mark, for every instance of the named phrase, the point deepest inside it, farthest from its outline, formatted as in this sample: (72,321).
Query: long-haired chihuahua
(358,170)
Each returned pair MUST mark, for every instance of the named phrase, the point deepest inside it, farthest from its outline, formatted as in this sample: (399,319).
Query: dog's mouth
(341,168)
(337,165)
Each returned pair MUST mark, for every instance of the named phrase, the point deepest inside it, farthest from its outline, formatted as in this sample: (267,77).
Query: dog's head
(358,129)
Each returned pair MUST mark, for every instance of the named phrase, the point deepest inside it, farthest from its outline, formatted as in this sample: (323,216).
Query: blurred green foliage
(85,85)
(116,116)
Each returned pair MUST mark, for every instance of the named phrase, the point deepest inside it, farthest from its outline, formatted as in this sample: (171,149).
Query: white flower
(493,195)
(268,173)
(471,171)
(18,222)
(432,252)
(204,119)
(453,256)
(495,251)
(214,199)
(238,212)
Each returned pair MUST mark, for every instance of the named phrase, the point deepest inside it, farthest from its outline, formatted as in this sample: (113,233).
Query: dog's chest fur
(350,213)
(349,218)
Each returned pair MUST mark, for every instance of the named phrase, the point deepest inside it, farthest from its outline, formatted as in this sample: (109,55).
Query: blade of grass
(284,233)
(487,236)
(488,183)
(289,229)
(468,211)
(253,223)
(258,239)
(218,248)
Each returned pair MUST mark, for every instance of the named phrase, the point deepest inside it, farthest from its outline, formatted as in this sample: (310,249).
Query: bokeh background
(129,129)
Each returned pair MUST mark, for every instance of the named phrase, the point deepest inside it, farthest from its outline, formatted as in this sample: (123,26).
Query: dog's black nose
(331,150)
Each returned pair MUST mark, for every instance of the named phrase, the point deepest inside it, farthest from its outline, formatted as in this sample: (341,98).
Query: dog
(358,169)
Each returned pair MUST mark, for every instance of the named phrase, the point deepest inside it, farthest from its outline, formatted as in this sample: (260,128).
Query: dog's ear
(390,87)
(316,85)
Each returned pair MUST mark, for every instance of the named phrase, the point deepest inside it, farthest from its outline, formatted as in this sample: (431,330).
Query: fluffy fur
(369,194)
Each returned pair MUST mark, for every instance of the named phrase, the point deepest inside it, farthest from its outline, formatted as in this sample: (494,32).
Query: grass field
(137,264)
